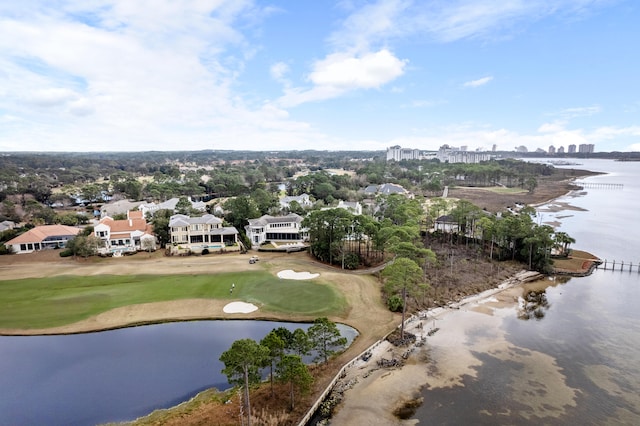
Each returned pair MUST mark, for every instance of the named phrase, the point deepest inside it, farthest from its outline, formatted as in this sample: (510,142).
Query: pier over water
(599,185)
(621,266)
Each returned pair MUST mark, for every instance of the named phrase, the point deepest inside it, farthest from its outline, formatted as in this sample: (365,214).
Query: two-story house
(279,229)
(124,236)
(201,235)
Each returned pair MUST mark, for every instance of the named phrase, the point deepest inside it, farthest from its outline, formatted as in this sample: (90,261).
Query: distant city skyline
(124,75)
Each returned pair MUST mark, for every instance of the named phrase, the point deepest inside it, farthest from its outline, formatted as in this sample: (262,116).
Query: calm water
(591,328)
(117,375)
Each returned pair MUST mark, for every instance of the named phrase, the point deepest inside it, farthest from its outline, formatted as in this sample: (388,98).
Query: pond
(118,375)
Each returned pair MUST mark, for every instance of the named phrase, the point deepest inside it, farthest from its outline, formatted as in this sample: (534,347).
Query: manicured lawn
(55,301)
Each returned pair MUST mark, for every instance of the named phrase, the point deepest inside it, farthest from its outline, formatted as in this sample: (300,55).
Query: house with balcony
(279,230)
(201,235)
(124,236)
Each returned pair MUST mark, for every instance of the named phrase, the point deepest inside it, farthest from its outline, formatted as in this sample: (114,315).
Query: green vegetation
(61,300)
(245,359)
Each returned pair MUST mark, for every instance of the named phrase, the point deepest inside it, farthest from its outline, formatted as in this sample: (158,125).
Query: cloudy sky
(136,75)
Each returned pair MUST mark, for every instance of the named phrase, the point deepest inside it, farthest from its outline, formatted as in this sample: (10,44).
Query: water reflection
(117,375)
(533,304)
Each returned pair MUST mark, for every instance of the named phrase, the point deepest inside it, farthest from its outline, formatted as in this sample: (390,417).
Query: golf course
(44,294)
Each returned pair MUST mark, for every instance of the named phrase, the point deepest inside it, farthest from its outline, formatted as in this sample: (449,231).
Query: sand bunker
(288,274)
(239,308)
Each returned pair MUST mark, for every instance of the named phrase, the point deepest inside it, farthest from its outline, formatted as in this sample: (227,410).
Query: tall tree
(326,338)
(276,345)
(300,343)
(242,363)
(403,275)
(160,222)
(239,210)
(327,229)
(292,370)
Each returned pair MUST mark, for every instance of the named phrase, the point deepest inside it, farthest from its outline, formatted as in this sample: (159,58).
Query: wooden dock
(620,266)
(599,185)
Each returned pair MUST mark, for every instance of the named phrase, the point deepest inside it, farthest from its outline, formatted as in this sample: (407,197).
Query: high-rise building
(561,150)
(572,149)
(397,153)
(586,148)
(494,147)
(552,149)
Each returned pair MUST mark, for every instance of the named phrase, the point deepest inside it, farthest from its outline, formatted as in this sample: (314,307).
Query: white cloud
(279,70)
(372,23)
(569,113)
(51,97)
(479,82)
(367,71)
(556,126)
(340,73)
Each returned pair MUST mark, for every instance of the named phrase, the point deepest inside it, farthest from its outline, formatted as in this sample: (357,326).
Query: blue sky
(124,75)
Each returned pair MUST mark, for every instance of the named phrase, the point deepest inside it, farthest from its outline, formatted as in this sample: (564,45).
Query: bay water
(589,333)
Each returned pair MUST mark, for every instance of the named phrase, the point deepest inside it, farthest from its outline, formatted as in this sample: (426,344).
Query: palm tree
(564,240)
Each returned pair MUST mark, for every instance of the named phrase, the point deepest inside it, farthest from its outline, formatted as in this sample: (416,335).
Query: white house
(351,206)
(41,238)
(170,204)
(278,229)
(303,200)
(201,235)
(384,189)
(125,236)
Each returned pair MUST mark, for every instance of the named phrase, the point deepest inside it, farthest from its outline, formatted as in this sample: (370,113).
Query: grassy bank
(60,300)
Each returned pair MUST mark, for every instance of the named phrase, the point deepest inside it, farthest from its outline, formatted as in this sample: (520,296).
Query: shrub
(394,303)
(66,253)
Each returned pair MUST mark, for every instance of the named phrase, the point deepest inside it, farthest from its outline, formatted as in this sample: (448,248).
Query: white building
(170,204)
(201,235)
(278,229)
(124,236)
(397,153)
(303,200)
(42,238)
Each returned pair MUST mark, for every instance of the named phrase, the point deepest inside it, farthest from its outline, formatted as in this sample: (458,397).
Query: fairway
(61,300)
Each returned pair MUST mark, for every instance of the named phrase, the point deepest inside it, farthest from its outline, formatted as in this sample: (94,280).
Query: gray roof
(184,220)
(227,230)
(385,188)
(390,188)
(266,219)
(119,207)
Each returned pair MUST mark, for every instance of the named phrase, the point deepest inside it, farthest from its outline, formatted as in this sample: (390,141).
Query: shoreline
(371,394)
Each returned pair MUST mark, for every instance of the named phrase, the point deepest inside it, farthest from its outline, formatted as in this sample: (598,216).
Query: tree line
(281,352)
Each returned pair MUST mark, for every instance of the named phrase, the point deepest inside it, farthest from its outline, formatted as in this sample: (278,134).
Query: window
(23,247)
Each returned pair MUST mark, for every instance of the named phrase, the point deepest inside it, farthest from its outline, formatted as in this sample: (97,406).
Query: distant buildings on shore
(446,154)
(584,148)
(450,154)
